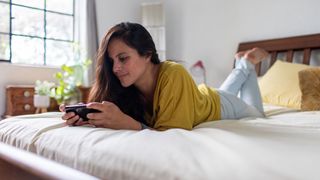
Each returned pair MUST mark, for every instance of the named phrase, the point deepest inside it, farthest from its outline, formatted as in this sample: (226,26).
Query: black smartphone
(81,110)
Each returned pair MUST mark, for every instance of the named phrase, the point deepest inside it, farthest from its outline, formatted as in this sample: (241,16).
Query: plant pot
(41,101)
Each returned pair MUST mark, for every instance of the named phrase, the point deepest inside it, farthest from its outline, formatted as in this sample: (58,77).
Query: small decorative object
(198,72)
(41,99)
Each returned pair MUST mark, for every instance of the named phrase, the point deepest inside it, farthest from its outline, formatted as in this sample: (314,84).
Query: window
(37,32)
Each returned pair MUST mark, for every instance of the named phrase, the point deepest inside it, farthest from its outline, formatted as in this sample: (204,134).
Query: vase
(40,101)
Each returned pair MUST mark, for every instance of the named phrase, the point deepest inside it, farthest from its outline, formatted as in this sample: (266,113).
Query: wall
(111,12)
(210,30)
(126,10)
(213,29)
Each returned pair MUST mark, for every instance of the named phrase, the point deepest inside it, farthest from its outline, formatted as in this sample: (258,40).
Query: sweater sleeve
(175,105)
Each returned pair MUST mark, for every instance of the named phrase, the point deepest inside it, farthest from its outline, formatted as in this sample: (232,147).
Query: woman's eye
(122,59)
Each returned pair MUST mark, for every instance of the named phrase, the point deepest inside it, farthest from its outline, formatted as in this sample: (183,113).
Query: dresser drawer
(19,100)
(22,99)
(23,108)
(22,92)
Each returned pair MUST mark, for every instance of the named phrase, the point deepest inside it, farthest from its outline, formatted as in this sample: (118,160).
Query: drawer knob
(26,93)
(27,107)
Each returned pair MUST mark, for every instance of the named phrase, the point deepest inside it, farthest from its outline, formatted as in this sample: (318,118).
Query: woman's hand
(71,118)
(111,117)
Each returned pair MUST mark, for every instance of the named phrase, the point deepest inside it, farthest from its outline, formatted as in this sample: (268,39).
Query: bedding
(283,146)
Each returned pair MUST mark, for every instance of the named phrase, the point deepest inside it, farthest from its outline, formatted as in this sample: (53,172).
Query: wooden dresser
(19,100)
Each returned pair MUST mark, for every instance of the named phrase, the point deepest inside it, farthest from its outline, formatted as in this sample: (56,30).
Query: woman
(134,90)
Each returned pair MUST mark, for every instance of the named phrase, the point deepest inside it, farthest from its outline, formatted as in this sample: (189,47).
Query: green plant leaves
(69,78)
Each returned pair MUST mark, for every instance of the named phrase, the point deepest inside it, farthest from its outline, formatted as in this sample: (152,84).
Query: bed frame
(305,44)
(17,164)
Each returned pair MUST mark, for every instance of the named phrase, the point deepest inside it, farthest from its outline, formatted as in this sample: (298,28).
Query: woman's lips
(120,76)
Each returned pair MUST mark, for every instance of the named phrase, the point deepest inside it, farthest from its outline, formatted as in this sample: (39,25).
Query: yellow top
(179,103)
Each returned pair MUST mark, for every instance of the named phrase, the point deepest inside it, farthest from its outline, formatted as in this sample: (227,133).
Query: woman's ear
(148,56)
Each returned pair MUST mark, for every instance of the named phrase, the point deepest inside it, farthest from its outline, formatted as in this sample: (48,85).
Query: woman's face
(128,66)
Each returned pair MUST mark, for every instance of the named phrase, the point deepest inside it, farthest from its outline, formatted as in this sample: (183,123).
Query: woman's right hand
(71,118)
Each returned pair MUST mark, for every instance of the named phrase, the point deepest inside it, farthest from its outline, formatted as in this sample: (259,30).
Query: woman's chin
(125,84)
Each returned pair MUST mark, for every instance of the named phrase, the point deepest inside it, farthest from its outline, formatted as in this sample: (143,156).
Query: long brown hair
(107,87)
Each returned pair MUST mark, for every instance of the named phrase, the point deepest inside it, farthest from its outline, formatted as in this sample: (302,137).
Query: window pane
(4,47)
(27,21)
(315,57)
(59,53)
(32,3)
(59,26)
(4,17)
(27,50)
(65,6)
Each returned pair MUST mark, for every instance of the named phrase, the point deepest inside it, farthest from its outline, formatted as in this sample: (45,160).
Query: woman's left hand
(111,117)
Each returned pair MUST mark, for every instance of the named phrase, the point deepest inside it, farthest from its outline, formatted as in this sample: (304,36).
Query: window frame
(44,38)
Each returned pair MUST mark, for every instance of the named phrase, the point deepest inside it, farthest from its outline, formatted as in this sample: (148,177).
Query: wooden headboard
(305,44)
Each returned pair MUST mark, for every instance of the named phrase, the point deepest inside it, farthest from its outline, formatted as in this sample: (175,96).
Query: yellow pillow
(309,80)
(280,85)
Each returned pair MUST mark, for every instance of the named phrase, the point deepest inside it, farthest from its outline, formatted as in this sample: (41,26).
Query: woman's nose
(116,67)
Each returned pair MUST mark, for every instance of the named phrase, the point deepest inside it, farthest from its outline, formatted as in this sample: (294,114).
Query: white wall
(213,29)
(126,10)
(209,30)
(112,12)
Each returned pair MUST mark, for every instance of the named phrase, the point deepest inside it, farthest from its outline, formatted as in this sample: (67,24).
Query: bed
(284,145)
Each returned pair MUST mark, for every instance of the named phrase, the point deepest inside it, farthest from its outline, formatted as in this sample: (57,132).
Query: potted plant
(69,79)
(41,98)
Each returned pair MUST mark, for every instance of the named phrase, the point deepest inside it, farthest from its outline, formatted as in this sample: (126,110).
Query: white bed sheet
(285,145)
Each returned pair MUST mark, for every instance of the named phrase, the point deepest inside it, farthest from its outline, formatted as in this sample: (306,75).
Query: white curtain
(86,34)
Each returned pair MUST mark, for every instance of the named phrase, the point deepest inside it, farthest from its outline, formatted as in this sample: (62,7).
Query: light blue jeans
(241,82)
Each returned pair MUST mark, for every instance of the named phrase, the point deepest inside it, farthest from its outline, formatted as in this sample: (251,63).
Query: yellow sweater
(179,103)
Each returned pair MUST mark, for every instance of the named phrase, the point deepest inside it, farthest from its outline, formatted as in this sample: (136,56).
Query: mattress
(284,145)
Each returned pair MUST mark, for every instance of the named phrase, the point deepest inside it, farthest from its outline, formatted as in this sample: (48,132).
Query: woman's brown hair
(107,87)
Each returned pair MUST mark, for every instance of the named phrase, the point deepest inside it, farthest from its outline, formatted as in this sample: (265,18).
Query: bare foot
(256,55)
(239,55)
